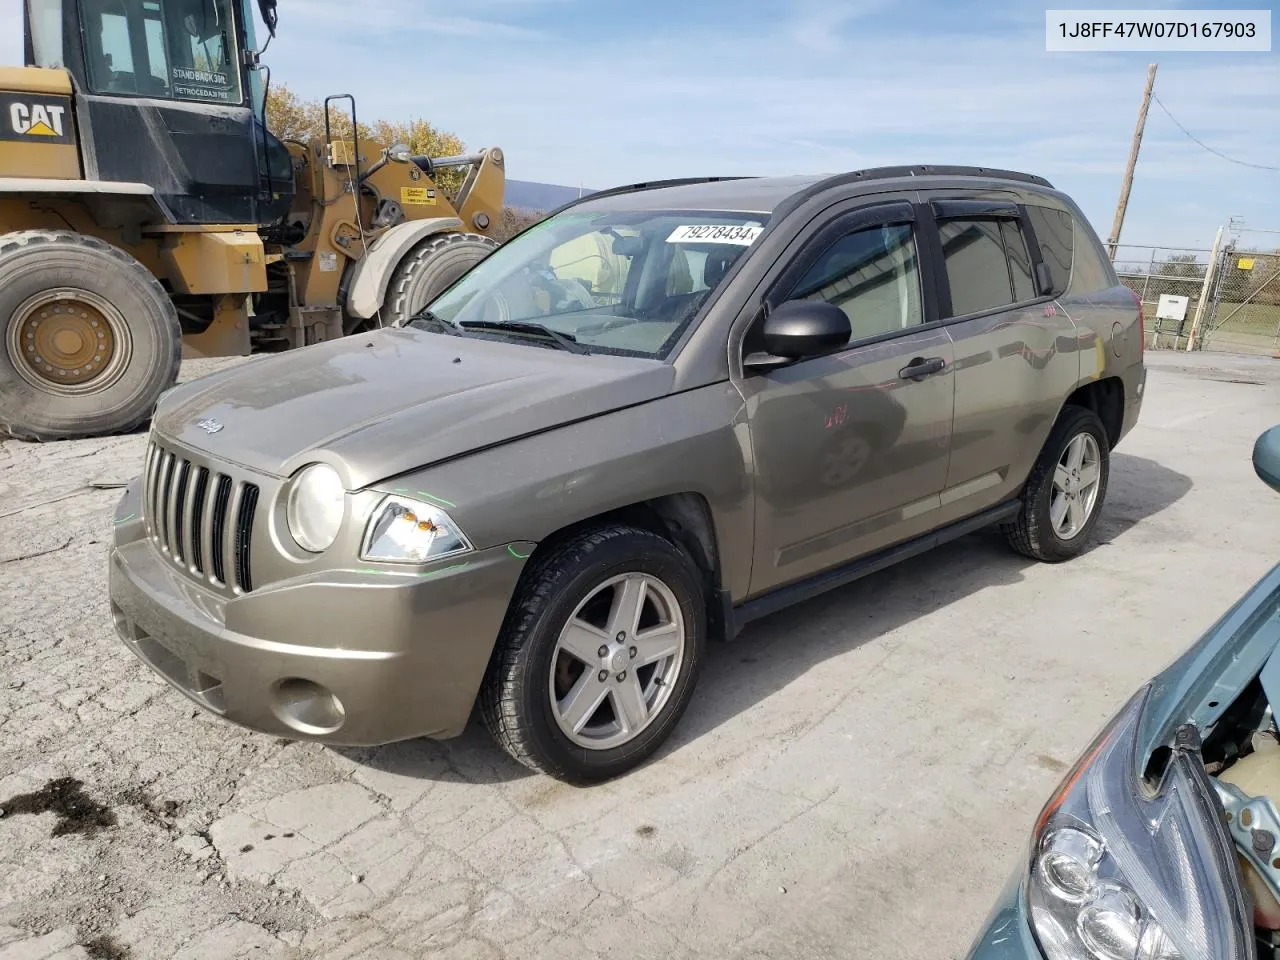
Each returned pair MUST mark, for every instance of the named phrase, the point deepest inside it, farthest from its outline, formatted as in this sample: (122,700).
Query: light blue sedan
(1163,841)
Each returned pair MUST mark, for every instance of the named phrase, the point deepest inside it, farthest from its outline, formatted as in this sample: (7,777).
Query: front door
(851,448)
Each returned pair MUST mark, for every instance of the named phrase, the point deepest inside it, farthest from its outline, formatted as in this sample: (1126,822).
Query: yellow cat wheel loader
(147,214)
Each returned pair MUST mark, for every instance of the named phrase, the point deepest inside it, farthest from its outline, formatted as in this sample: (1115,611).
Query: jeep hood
(377,405)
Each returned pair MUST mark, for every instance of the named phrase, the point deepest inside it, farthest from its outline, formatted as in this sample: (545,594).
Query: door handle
(921,367)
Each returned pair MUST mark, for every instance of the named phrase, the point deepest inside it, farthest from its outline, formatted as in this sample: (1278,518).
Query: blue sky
(599,93)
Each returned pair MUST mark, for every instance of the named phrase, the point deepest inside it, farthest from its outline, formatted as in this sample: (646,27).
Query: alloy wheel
(1075,486)
(616,661)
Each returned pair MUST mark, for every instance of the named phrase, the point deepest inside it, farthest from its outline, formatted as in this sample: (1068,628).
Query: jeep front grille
(200,518)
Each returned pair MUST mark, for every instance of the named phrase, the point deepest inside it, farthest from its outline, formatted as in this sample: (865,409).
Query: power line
(1243,163)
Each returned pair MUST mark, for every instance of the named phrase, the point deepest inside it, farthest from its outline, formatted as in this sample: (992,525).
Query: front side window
(873,275)
(168,49)
(613,282)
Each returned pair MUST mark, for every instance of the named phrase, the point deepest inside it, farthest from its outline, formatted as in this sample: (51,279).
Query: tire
(94,293)
(1034,532)
(429,269)
(529,669)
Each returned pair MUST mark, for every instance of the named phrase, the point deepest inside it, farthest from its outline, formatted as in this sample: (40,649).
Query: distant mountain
(540,197)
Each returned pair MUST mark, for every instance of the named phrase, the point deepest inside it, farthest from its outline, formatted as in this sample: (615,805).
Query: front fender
(372,272)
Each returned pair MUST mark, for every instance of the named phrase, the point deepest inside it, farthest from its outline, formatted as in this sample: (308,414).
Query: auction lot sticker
(715,233)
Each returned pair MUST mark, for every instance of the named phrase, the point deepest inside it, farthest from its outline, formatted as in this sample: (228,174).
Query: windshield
(614,282)
(173,49)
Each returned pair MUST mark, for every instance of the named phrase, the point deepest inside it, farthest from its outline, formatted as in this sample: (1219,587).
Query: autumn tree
(291,117)
(514,221)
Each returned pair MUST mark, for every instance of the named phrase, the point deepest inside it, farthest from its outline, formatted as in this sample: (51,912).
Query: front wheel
(1064,494)
(599,655)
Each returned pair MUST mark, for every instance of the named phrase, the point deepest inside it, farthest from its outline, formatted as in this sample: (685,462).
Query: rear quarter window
(1090,270)
(1055,234)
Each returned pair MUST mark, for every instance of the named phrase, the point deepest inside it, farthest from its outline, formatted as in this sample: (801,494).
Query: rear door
(1016,355)
(851,448)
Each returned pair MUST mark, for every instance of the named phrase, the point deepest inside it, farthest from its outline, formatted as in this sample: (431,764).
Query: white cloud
(818,24)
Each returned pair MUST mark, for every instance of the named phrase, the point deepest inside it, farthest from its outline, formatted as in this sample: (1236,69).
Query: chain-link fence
(1240,289)
(1174,272)
(1244,315)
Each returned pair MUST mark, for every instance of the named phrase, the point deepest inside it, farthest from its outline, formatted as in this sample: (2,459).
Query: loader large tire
(429,269)
(88,338)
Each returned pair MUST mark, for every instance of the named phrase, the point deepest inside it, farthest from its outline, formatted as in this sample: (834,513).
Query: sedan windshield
(609,282)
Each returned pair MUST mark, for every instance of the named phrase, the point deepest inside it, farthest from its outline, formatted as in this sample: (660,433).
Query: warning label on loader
(30,119)
(421,196)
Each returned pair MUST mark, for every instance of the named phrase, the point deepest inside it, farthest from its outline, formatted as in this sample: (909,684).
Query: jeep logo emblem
(209,425)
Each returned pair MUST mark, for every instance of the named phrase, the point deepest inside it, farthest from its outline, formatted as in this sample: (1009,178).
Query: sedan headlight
(1123,872)
(315,506)
(402,530)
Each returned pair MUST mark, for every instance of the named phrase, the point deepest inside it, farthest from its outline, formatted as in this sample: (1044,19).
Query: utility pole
(1114,239)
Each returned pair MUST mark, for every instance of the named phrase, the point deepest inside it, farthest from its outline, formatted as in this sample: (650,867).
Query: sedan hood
(380,404)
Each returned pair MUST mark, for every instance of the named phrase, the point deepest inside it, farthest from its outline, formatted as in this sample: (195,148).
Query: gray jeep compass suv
(660,413)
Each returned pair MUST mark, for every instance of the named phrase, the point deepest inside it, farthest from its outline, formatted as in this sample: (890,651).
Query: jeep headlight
(1123,871)
(314,507)
(402,530)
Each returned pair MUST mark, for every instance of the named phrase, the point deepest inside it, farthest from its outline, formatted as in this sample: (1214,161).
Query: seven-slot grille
(201,519)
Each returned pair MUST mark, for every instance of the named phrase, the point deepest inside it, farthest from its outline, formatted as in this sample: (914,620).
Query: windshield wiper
(426,320)
(565,341)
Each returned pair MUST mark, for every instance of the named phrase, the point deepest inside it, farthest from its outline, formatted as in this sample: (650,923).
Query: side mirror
(799,329)
(1266,457)
(400,153)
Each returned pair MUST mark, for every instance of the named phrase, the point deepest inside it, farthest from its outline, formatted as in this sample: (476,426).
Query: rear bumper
(1135,388)
(356,657)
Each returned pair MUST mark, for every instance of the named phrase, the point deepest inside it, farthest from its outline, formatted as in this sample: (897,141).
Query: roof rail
(637,187)
(894,173)
(922,170)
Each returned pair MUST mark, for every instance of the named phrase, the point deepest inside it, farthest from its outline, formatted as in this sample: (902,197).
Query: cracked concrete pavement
(855,777)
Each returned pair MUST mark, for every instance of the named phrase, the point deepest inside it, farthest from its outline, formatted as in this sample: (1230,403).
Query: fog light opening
(307,707)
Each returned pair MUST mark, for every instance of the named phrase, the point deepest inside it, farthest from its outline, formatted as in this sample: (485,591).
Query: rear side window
(1055,235)
(987,264)
(1015,247)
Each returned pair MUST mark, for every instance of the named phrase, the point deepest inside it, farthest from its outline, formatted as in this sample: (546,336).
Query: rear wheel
(1064,493)
(90,339)
(599,655)
(429,269)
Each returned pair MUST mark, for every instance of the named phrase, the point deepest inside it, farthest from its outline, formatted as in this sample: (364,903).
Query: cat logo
(36,120)
(44,120)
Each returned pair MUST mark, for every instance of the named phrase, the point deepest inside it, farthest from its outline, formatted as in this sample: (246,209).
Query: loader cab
(165,96)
